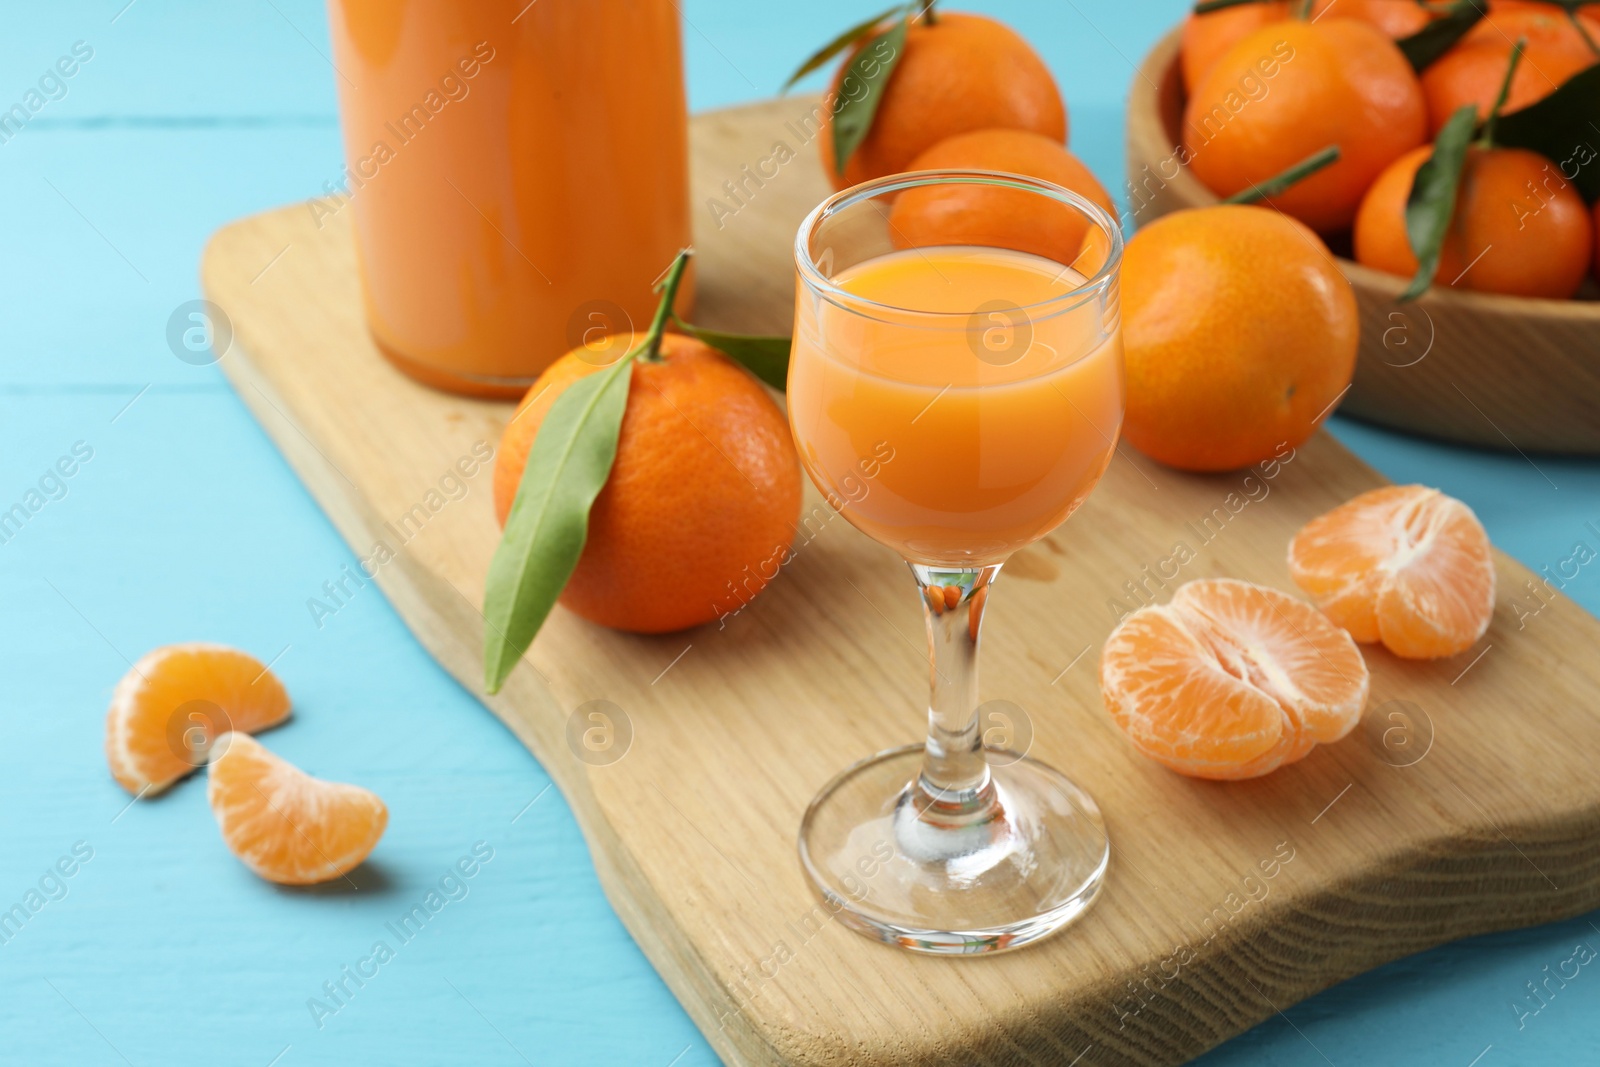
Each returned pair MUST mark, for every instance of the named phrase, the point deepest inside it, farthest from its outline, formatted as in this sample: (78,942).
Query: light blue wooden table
(186,524)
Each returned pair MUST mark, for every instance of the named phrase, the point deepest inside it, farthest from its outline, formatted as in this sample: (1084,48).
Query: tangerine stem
(1577,24)
(1279,182)
(651,349)
(926,11)
(1205,7)
(1487,139)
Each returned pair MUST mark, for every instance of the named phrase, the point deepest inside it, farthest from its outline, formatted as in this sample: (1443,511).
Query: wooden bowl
(1503,372)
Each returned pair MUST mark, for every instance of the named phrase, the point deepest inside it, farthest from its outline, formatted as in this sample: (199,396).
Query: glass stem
(954,783)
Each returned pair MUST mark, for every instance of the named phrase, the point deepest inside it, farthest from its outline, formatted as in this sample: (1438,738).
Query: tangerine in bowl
(1480,368)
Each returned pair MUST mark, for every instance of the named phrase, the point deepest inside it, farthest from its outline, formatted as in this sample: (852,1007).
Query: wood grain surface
(1467,801)
(1504,372)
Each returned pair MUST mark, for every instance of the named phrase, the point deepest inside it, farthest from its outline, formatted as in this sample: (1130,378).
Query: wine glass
(956,401)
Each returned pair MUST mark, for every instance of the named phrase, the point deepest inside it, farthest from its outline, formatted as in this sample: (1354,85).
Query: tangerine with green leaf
(1207,36)
(702,499)
(1470,73)
(952,73)
(1290,89)
(1518,226)
(1476,214)
(989,215)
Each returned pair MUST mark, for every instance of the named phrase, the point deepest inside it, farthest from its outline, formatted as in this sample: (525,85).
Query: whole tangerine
(1472,71)
(1396,18)
(1239,333)
(1519,227)
(702,501)
(1291,89)
(959,73)
(1206,38)
(967,214)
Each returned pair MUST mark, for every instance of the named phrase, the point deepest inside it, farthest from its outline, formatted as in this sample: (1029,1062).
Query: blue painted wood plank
(186,524)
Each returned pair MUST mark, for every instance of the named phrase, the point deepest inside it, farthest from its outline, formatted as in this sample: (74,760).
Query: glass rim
(848,301)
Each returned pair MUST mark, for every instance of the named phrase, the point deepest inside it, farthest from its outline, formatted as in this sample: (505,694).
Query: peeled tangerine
(1231,680)
(285,825)
(1405,565)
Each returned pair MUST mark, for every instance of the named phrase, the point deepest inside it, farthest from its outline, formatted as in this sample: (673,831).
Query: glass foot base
(949,879)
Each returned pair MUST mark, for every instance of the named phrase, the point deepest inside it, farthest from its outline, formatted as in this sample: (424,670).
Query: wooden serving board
(1468,801)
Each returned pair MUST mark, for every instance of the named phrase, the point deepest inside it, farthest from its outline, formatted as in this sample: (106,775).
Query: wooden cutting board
(1468,801)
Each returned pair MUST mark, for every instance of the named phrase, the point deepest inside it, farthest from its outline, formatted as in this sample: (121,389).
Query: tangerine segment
(1168,691)
(285,825)
(1338,558)
(169,708)
(1284,647)
(1231,680)
(1405,565)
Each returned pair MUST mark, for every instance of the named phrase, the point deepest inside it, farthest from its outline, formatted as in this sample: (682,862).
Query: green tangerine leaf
(765,357)
(1440,35)
(1486,138)
(868,72)
(1431,205)
(1205,7)
(839,44)
(1582,30)
(567,467)
(1564,127)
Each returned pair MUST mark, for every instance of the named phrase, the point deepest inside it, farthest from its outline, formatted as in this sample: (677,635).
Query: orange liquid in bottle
(518,174)
(956,442)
